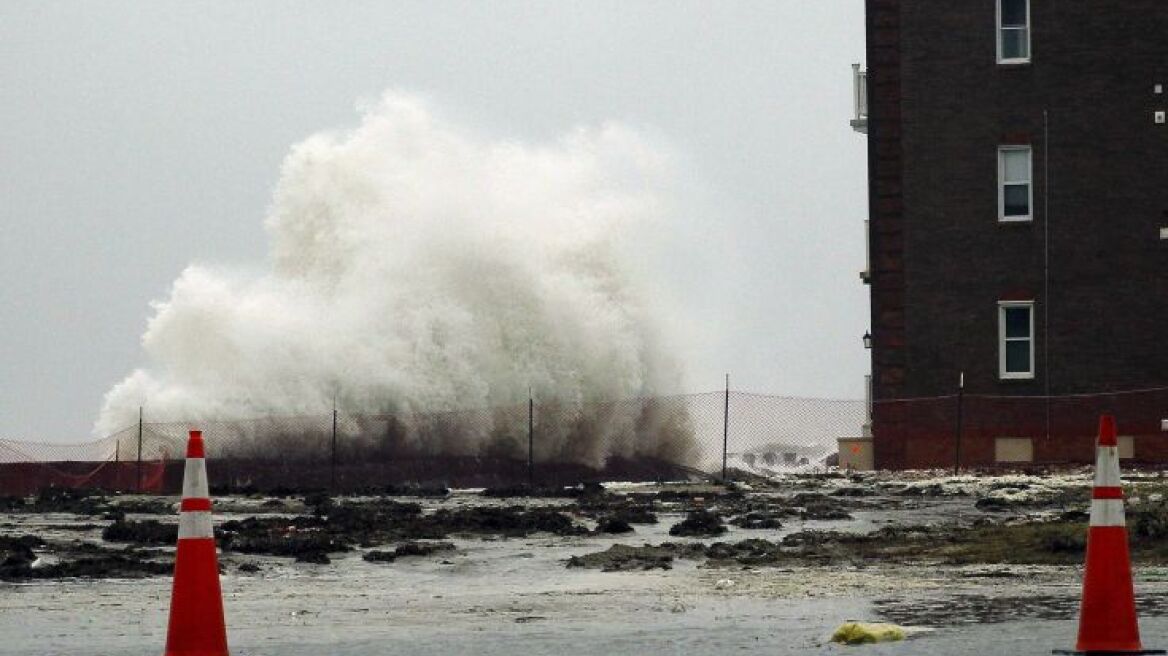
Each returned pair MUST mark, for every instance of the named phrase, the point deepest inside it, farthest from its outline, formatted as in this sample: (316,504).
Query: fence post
(333,463)
(726,429)
(138,474)
(960,404)
(530,440)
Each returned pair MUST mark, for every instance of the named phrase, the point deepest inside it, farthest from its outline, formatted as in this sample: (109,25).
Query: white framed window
(1015,191)
(1013,31)
(1016,339)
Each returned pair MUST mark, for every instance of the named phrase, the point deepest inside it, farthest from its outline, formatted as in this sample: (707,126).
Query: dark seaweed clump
(699,523)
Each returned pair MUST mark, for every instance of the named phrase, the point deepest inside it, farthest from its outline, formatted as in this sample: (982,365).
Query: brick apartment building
(1018,228)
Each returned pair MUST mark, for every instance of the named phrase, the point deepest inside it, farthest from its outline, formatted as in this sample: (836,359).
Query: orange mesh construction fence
(27,467)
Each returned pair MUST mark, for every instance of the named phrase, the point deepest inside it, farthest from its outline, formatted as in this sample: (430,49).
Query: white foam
(417,266)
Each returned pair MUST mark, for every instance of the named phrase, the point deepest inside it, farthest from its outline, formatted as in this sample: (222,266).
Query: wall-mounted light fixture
(867,339)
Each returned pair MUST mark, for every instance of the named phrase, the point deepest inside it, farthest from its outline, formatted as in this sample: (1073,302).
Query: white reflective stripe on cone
(195,524)
(1107,512)
(195,479)
(1107,467)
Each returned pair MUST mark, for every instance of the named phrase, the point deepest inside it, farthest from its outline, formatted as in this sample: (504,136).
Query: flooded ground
(509,590)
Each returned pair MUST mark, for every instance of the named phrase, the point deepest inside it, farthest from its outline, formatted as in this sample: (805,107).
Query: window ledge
(1021,378)
(1028,219)
(1013,63)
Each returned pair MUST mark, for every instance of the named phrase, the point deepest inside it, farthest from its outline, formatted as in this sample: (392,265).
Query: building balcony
(860,96)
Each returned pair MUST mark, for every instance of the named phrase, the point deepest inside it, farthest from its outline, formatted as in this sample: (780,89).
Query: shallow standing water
(515,596)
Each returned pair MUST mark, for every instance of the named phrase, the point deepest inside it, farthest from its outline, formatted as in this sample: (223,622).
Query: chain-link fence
(561,442)
(537,443)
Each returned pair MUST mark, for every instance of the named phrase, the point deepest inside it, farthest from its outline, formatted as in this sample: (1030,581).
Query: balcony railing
(860,94)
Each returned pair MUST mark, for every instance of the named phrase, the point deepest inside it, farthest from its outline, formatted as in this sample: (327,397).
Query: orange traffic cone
(1107,617)
(196,604)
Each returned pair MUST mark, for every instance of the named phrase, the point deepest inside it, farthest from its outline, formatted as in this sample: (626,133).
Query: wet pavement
(495,595)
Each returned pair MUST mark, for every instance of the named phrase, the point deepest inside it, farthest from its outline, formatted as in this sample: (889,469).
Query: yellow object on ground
(859,633)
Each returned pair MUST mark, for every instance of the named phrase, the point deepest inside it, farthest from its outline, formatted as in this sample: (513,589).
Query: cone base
(1070,653)
(1107,653)
(1108,622)
(196,626)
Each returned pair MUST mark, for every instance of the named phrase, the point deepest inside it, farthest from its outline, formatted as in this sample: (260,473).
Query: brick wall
(940,107)
(886,201)
(925,430)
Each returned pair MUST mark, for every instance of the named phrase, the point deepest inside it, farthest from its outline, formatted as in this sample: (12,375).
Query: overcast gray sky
(141,137)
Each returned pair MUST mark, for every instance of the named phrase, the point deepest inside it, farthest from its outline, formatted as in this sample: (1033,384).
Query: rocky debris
(78,560)
(636,515)
(623,558)
(613,525)
(853,492)
(919,490)
(891,544)
(225,490)
(336,527)
(1021,543)
(366,517)
(1148,522)
(757,520)
(377,556)
(408,549)
(278,537)
(522,491)
(84,502)
(993,504)
(1021,496)
(249,568)
(746,552)
(1006,495)
(737,478)
(319,502)
(142,532)
(768,511)
(143,506)
(126,565)
(699,524)
(418,491)
(1065,543)
(514,521)
(1040,522)
(11,504)
(422,491)
(699,495)
(634,510)
(17,556)
(422,548)
(824,512)
(67,500)
(813,505)
(314,557)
